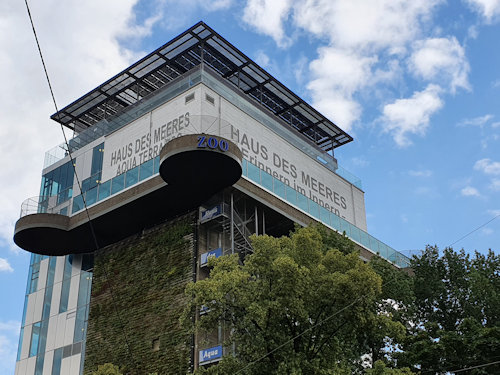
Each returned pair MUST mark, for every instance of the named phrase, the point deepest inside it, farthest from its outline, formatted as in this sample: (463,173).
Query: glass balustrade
(134,176)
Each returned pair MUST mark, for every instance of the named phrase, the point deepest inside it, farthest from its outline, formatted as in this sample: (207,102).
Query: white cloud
(427,191)
(487,231)
(336,75)
(420,173)
(361,24)
(262,59)
(81,49)
(360,161)
(494,212)
(175,14)
(489,9)
(495,184)
(488,166)
(470,191)
(355,33)
(441,59)
(5,266)
(9,336)
(411,116)
(267,17)
(476,121)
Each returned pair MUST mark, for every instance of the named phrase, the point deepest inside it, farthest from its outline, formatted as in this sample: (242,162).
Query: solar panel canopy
(201,45)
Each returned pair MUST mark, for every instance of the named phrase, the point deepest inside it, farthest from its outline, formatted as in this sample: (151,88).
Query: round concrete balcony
(197,166)
(192,169)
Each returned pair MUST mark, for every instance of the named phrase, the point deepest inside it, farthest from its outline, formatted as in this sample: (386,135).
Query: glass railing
(104,127)
(292,196)
(151,167)
(110,187)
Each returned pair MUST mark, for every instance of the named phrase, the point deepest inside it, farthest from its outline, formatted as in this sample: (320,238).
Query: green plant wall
(137,298)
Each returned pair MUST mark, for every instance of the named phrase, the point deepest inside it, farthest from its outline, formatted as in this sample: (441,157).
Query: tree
(456,310)
(296,306)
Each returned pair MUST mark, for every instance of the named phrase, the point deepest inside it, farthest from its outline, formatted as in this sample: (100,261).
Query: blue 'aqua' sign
(211,254)
(210,354)
(211,213)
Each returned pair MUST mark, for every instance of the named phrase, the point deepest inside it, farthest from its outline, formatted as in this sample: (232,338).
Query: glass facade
(55,316)
(57,183)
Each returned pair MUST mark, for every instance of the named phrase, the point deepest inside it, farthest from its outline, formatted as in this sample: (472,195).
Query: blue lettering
(212,142)
(201,141)
(223,145)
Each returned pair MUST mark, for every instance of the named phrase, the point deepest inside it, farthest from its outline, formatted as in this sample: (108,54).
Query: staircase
(241,234)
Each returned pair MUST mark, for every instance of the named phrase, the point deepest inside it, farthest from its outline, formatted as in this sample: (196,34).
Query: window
(35,272)
(35,337)
(210,99)
(56,362)
(58,182)
(63,306)
(189,98)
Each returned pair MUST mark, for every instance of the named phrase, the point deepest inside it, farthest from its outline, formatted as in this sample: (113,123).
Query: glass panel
(34,277)
(97,154)
(35,337)
(63,305)
(344,227)
(146,169)
(56,363)
(374,244)
(84,288)
(23,322)
(267,180)
(67,266)
(314,209)
(91,196)
(291,194)
(77,204)
(355,233)
(383,249)
(80,324)
(244,166)
(324,215)
(47,299)
(20,344)
(104,190)
(279,188)
(117,183)
(253,173)
(132,177)
(364,239)
(156,165)
(64,195)
(302,202)
(39,364)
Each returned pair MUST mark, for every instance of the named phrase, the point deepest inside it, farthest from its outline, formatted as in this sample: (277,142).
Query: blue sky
(416,83)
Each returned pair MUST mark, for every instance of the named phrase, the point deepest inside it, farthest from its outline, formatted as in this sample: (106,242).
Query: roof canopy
(197,45)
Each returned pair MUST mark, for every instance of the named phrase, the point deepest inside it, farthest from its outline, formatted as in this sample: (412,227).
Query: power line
(464,369)
(474,367)
(309,329)
(78,180)
(479,227)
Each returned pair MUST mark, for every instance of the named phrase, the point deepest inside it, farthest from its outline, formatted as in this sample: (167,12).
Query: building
(178,158)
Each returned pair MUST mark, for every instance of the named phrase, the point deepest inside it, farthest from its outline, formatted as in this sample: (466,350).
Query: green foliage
(455,323)
(379,368)
(107,369)
(137,298)
(306,307)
